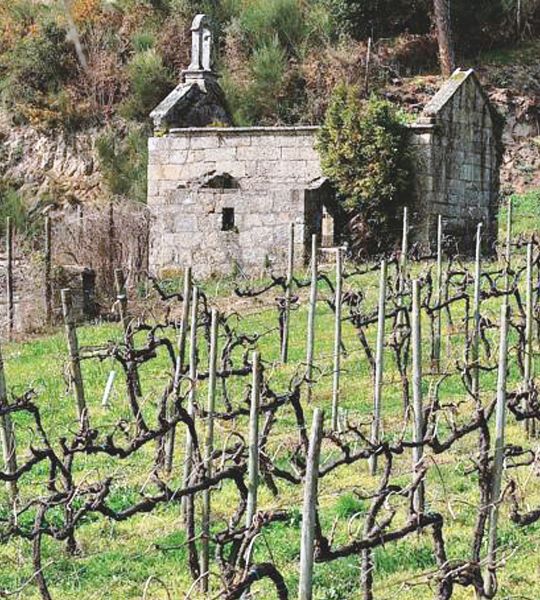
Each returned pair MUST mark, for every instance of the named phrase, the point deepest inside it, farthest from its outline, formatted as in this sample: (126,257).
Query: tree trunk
(74,37)
(447,56)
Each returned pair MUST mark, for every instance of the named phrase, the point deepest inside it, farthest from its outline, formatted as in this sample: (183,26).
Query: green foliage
(123,159)
(262,21)
(364,151)
(261,99)
(37,65)
(280,58)
(143,40)
(477,25)
(12,205)
(480,24)
(149,81)
(381,18)
(272,37)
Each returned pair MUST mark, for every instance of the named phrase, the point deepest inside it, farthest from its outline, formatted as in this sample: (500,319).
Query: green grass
(526,214)
(117,559)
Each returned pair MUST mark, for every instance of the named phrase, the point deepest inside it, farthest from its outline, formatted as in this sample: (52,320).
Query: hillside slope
(74,133)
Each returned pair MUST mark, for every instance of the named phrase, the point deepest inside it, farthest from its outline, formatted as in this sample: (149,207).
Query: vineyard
(345,431)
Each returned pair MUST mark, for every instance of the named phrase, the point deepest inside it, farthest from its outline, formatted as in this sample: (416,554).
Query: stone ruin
(223,197)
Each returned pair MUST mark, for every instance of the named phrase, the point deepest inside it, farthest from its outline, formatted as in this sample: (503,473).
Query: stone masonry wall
(190,231)
(456,167)
(255,157)
(272,172)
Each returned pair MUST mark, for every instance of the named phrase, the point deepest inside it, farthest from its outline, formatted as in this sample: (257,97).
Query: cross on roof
(201,45)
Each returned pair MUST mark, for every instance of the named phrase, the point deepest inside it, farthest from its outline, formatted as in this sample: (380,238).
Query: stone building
(223,197)
(457,150)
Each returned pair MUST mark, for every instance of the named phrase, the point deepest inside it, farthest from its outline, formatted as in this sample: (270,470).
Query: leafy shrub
(364,151)
(381,18)
(476,25)
(174,42)
(480,25)
(259,100)
(143,40)
(264,20)
(104,83)
(123,158)
(149,81)
(40,63)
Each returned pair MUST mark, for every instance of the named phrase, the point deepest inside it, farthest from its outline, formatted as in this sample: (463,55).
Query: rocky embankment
(54,166)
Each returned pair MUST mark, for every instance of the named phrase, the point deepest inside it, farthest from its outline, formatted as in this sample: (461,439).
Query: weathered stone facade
(223,198)
(455,144)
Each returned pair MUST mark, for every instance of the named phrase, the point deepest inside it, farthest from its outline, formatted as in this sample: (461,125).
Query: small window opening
(227,219)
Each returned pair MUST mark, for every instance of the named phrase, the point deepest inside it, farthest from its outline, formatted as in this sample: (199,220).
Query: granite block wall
(274,174)
(190,230)
(456,164)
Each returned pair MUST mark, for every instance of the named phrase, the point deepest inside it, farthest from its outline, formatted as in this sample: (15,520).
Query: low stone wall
(29,313)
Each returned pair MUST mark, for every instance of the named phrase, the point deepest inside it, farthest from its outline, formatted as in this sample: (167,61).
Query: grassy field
(117,559)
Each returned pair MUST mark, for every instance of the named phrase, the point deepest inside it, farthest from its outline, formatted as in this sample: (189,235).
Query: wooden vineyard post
(337,341)
(182,337)
(288,293)
(9,277)
(188,502)
(108,389)
(112,241)
(508,250)
(7,436)
(475,348)
(402,269)
(418,428)
(379,365)
(74,357)
(404,241)
(498,458)
(309,513)
(209,449)
(121,298)
(192,396)
(253,457)
(436,353)
(311,317)
(179,368)
(404,248)
(528,373)
(48,272)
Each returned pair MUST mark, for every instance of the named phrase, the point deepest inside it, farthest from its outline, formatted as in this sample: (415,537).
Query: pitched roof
(448,90)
